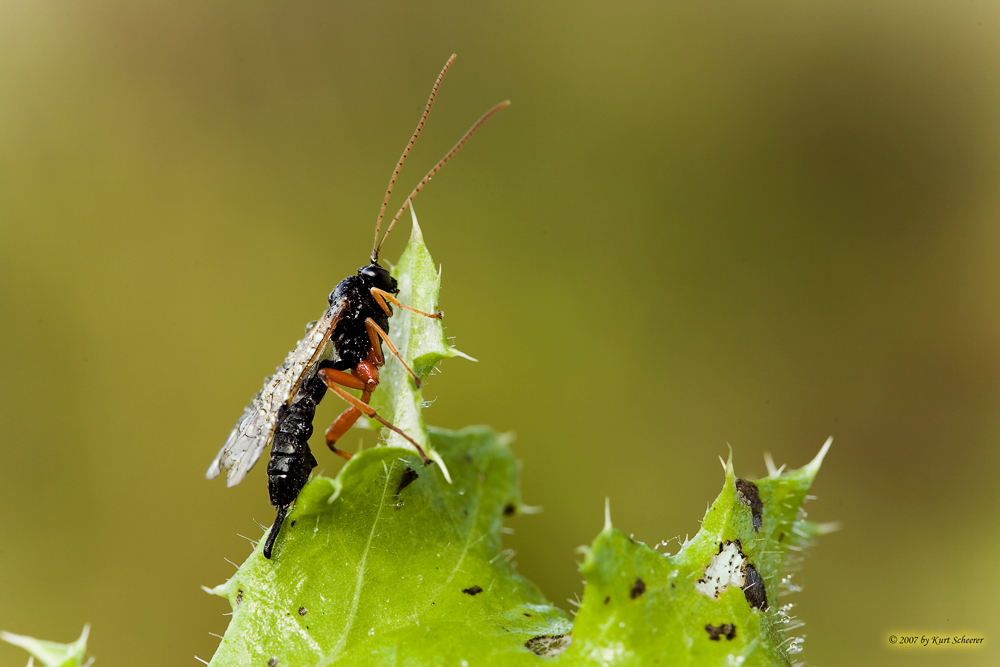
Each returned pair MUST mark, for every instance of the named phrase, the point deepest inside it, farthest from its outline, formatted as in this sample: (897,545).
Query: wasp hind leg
(338,428)
(364,409)
(275,529)
(365,378)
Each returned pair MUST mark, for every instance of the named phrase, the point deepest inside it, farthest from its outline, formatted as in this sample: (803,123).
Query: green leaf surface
(52,654)
(641,607)
(398,563)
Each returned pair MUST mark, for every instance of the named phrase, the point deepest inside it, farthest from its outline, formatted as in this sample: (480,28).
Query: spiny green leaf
(404,568)
(52,654)
(641,607)
(400,563)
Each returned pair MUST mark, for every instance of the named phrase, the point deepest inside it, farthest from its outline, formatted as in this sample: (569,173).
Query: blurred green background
(698,224)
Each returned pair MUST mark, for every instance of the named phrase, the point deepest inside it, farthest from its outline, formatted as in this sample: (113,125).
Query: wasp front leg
(381,296)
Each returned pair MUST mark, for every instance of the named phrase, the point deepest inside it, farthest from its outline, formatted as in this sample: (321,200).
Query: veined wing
(255,429)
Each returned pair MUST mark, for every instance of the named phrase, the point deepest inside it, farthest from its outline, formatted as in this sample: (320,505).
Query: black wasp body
(291,459)
(340,351)
(350,339)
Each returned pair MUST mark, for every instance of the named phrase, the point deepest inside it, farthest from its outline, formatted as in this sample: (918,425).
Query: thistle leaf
(52,654)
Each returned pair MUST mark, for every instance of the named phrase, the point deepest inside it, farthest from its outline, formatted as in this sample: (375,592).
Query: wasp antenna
(438,166)
(399,165)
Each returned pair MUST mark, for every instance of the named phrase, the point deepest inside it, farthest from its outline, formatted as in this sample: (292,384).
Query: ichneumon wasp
(340,351)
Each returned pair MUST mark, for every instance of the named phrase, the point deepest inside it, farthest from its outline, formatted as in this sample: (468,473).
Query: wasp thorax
(378,277)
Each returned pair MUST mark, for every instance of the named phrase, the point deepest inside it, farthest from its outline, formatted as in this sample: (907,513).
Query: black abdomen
(291,459)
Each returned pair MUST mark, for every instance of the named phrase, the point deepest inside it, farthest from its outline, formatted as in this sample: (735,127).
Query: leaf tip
(337,486)
(222,590)
(813,466)
(434,456)
(769,462)
(84,635)
(827,528)
(727,465)
(48,652)
(415,233)
(454,352)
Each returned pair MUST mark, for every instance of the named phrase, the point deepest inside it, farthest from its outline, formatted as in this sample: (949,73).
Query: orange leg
(362,407)
(340,426)
(375,355)
(375,330)
(343,379)
(381,296)
(365,377)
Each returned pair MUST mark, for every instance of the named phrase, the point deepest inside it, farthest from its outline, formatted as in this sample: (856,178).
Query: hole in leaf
(549,646)
(715,632)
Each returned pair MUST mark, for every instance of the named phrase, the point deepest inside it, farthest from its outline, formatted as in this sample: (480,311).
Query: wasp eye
(378,277)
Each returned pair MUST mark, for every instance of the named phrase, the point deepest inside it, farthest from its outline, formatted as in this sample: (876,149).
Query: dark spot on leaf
(474,590)
(749,496)
(607,599)
(527,614)
(781,537)
(468,457)
(753,588)
(239,596)
(727,630)
(273,662)
(638,588)
(303,611)
(548,646)
(292,524)
(509,509)
(408,477)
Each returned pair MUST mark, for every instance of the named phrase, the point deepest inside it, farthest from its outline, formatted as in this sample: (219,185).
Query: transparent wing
(255,429)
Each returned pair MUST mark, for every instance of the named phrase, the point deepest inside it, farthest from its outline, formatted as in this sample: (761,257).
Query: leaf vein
(352,614)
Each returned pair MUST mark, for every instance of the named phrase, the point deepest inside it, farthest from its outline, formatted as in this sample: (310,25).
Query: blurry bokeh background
(757,224)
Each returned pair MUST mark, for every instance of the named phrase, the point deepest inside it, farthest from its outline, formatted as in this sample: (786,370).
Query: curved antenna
(399,165)
(438,166)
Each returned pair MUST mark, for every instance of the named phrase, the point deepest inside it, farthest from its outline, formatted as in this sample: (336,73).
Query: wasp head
(378,277)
